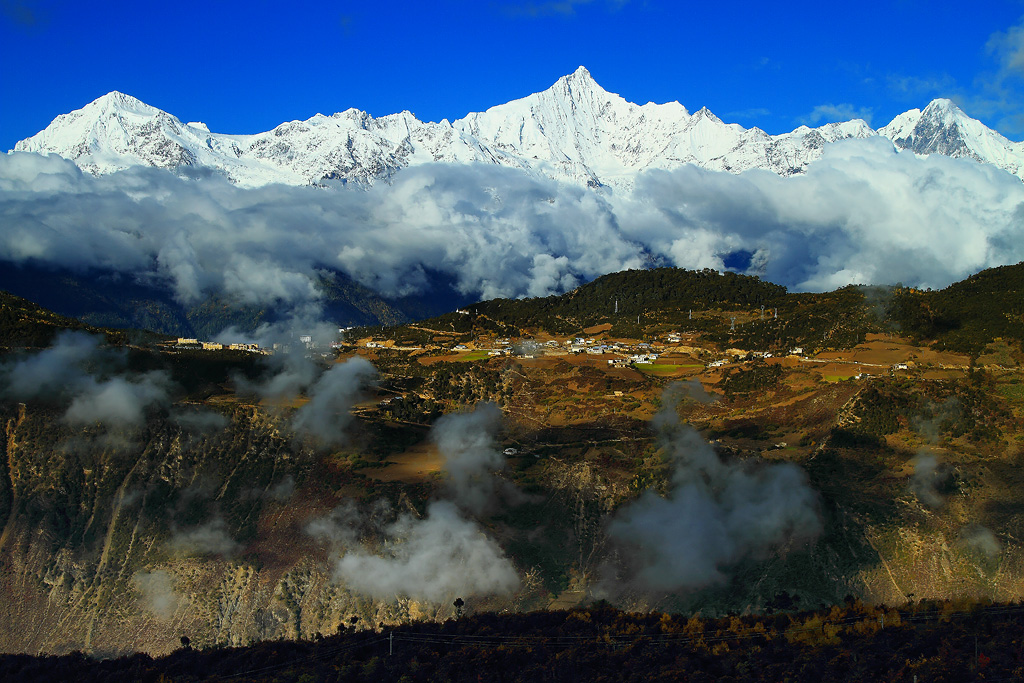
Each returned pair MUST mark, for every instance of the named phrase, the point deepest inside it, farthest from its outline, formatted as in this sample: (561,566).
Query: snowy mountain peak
(119,100)
(580,78)
(578,86)
(574,131)
(944,128)
(943,106)
(705,113)
(114,132)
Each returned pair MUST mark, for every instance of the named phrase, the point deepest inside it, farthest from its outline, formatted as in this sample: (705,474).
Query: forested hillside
(968,314)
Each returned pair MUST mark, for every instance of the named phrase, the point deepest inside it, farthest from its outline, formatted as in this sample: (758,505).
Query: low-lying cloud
(198,420)
(446,553)
(327,415)
(332,392)
(980,539)
(715,514)
(156,593)
(441,556)
(77,369)
(209,538)
(863,213)
(929,479)
(118,401)
(471,458)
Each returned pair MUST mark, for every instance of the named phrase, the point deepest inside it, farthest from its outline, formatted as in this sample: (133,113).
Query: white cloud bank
(863,213)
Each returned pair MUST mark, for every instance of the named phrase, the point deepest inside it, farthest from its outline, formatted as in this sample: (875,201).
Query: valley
(529,433)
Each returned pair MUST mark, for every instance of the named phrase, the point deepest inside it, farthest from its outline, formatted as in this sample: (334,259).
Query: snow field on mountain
(573,132)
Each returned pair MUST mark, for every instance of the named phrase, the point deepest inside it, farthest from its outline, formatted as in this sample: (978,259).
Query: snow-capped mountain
(574,131)
(943,128)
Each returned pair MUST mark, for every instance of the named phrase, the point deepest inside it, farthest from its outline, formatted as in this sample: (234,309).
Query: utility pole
(391,643)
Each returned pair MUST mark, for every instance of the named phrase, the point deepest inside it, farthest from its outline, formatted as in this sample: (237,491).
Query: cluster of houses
(306,340)
(629,354)
(191,343)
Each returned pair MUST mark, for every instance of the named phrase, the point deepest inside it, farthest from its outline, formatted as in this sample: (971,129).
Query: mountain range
(575,131)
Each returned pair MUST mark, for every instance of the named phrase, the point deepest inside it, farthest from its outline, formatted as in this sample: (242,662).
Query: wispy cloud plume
(209,538)
(445,554)
(328,414)
(715,514)
(92,379)
(442,556)
(471,459)
(929,478)
(118,401)
(156,592)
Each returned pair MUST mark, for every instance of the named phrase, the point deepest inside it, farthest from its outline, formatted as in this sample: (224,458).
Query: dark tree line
(938,642)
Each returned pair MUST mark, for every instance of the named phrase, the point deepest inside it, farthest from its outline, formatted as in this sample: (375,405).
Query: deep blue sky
(244,67)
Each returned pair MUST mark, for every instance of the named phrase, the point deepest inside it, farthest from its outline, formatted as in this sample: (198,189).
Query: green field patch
(662,367)
(479,354)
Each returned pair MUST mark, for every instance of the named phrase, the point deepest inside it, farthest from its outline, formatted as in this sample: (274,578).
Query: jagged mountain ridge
(574,131)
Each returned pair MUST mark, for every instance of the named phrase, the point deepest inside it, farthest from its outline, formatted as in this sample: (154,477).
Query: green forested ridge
(968,314)
(726,308)
(962,317)
(645,293)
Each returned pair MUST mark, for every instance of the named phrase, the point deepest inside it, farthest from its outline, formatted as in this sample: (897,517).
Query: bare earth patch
(418,464)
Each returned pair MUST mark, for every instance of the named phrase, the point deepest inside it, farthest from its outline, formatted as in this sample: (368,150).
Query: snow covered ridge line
(575,131)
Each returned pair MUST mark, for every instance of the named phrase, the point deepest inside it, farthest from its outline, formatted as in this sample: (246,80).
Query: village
(674,353)
(304,341)
(669,355)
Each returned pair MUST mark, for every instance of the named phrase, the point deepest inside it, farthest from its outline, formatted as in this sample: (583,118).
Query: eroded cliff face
(119,541)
